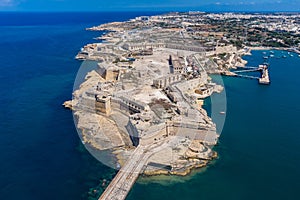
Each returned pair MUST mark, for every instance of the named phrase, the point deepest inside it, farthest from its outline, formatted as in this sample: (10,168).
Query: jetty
(263,69)
(246,76)
(265,79)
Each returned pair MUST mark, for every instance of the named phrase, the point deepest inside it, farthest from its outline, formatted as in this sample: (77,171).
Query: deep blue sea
(41,154)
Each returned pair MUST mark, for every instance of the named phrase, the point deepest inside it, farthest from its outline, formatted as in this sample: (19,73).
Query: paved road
(126,177)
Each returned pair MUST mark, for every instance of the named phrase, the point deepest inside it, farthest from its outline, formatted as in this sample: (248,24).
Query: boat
(222,113)
(265,57)
(104,182)
(284,56)
(272,52)
(118,166)
(271,55)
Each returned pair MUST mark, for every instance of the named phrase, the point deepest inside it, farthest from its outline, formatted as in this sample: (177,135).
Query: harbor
(264,79)
(160,82)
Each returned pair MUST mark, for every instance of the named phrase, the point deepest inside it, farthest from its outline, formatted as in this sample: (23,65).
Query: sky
(149,5)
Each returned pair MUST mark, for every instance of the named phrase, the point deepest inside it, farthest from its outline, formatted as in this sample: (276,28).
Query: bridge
(120,186)
(126,177)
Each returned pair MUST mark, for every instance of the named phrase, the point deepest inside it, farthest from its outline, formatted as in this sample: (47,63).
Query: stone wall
(165,81)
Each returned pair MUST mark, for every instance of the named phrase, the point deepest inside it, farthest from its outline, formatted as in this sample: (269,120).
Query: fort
(142,104)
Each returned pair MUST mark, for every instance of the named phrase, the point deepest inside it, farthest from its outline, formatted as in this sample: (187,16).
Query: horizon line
(138,11)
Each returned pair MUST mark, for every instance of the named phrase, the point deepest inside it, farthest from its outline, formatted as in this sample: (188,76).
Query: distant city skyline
(154,5)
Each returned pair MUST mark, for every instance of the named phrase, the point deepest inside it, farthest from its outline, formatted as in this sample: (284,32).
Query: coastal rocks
(68,104)
(180,170)
(240,62)
(180,159)
(218,88)
(98,131)
(113,26)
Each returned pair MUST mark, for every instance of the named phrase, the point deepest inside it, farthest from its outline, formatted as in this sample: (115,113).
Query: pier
(264,79)
(246,76)
(247,70)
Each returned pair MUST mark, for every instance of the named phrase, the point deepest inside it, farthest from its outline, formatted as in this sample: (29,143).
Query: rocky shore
(139,95)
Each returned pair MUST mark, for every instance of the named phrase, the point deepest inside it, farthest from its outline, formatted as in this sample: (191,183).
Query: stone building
(142,46)
(184,46)
(178,66)
(225,49)
(165,81)
(112,73)
(103,104)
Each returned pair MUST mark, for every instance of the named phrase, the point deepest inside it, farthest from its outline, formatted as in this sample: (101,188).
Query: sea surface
(41,154)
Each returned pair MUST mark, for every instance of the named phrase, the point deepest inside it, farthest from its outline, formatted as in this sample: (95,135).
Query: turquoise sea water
(259,147)
(40,152)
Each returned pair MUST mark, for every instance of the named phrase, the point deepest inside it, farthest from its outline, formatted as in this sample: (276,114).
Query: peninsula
(144,102)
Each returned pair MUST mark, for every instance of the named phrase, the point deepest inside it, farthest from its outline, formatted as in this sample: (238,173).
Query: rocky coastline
(104,129)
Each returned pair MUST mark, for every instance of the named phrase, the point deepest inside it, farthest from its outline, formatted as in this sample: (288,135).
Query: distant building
(142,18)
